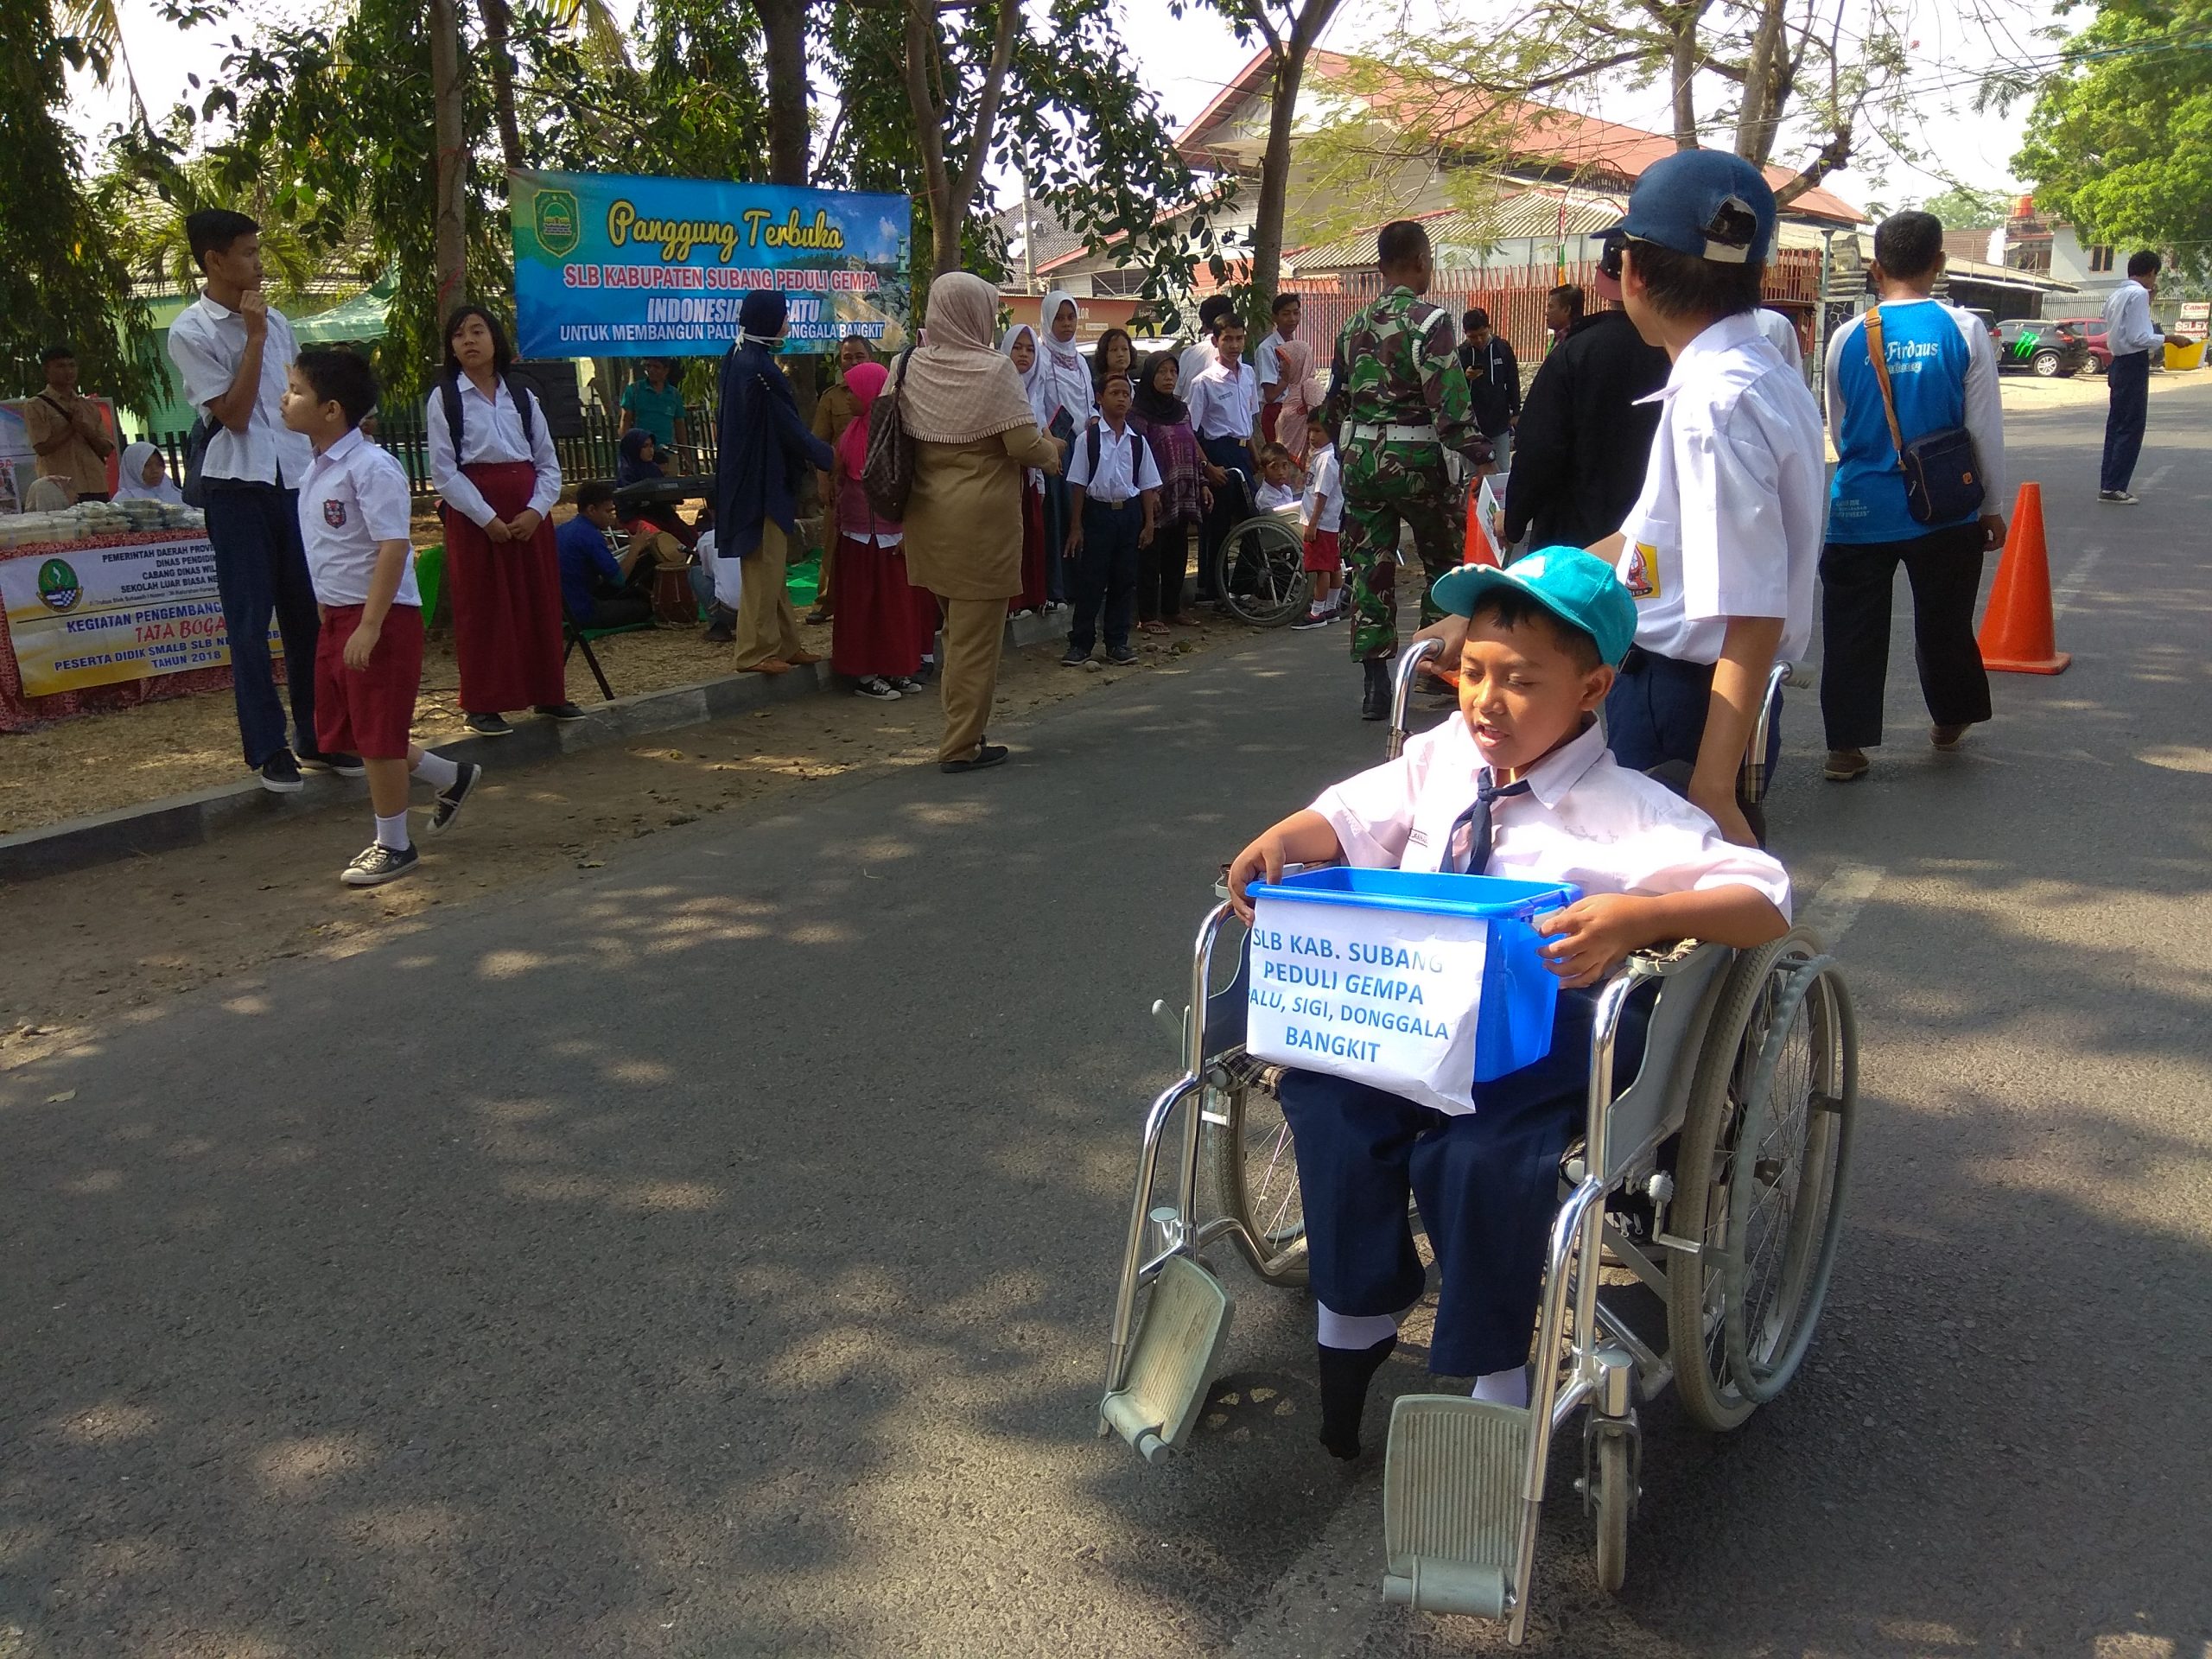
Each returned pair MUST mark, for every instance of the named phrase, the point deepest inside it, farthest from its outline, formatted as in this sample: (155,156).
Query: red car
(2090,331)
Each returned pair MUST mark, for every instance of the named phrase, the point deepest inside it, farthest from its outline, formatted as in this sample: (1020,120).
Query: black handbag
(1942,474)
(888,474)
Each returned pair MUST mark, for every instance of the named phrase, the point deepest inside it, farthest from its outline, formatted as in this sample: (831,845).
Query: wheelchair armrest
(1656,961)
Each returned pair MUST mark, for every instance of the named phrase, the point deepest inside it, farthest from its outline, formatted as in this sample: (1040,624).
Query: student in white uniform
(1113,491)
(1721,548)
(1224,402)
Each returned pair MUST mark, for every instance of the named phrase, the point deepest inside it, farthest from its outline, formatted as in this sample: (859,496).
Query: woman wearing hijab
(1020,344)
(764,452)
(1294,364)
(491,461)
(1065,402)
(143,475)
(878,638)
(1185,500)
(974,433)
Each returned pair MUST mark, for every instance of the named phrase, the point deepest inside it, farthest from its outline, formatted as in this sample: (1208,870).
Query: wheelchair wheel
(1255,1177)
(1765,1153)
(1613,1470)
(1263,579)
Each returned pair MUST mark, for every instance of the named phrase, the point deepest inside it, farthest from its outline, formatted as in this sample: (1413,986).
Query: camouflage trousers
(1381,494)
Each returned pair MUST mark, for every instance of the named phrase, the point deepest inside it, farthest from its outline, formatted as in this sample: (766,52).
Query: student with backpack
(491,459)
(1113,490)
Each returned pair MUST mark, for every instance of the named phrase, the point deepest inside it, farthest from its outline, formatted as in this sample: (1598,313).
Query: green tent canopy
(362,317)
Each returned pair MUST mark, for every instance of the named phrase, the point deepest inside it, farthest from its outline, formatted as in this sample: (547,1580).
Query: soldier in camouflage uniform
(1397,401)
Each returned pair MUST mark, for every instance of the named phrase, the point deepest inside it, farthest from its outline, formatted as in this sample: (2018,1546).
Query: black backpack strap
(525,398)
(449,394)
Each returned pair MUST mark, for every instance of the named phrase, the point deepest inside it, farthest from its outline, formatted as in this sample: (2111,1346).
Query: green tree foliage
(63,280)
(2119,140)
(1962,208)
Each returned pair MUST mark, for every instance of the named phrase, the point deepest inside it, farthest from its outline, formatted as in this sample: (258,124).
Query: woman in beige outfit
(973,434)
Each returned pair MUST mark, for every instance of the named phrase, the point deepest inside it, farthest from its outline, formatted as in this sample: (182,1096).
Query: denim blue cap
(1578,588)
(1697,201)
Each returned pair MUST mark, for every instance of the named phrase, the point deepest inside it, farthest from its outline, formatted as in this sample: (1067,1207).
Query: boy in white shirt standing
(1325,516)
(1114,499)
(1224,402)
(353,521)
(1721,548)
(1519,784)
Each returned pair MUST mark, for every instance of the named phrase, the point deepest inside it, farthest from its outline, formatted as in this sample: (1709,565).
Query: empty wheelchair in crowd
(1700,1213)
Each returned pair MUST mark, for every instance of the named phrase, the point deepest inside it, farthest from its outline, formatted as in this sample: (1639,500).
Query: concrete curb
(191,820)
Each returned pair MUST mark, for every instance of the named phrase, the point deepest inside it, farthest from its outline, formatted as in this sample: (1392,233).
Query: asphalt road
(711,1254)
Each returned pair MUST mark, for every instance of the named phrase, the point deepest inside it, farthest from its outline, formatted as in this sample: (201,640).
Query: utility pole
(452,245)
(1821,321)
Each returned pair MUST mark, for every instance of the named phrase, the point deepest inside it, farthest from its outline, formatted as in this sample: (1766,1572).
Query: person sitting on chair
(1520,786)
(597,584)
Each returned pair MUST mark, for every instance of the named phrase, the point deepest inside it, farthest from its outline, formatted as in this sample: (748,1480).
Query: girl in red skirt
(882,626)
(491,459)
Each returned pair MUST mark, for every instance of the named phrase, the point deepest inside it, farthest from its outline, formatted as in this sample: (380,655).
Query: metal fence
(587,453)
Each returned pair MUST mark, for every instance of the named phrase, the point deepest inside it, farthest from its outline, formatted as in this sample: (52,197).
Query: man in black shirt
(1493,383)
(1584,437)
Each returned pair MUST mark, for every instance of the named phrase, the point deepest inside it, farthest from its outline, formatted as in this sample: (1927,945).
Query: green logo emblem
(58,587)
(557,217)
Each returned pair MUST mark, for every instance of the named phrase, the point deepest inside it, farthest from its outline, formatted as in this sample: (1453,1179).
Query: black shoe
(1311,620)
(378,864)
(280,774)
(907,687)
(721,626)
(1120,656)
(1075,658)
(990,754)
(2120,497)
(875,685)
(558,710)
(1375,694)
(449,801)
(346,766)
(487,725)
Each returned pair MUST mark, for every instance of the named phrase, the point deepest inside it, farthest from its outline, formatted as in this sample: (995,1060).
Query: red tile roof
(1544,133)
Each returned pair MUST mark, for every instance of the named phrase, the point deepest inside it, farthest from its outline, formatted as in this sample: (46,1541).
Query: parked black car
(2039,348)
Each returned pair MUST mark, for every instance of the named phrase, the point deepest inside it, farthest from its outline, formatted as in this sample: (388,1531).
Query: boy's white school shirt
(354,497)
(1274,497)
(1585,820)
(207,341)
(1324,483)
(1735,499)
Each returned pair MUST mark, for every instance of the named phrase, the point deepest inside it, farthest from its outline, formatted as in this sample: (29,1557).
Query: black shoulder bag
(1942,475)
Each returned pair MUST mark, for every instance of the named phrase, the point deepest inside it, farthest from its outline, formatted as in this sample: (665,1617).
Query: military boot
(1375,697)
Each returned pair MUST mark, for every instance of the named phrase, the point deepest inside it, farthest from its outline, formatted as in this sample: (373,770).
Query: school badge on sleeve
(334,514)
(1639,570)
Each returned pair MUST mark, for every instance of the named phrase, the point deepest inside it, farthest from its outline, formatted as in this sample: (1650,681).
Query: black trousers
(1857,579)
(1106,573)
(2129,382)
(1231,505)
(1160,570)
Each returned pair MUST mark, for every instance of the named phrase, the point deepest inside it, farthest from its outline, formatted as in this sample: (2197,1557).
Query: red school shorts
(1322,552)
(367,711)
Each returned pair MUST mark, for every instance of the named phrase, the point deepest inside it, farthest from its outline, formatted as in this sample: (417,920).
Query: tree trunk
(1682,71)
(1757,114)
(951,189)
(498,23)
(783,24)
(452,156)
(1290,54)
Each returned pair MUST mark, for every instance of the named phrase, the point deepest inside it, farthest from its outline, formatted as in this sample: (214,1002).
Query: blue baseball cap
(1707,203)
(1578,588)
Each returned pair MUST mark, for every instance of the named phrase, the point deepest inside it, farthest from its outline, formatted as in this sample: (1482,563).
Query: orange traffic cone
(1478,549)
(2017,635)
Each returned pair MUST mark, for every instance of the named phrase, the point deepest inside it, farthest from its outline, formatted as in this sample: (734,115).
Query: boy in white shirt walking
(2129,336)
(353,516)
(1325,516)
(1519,784)
(1114,499)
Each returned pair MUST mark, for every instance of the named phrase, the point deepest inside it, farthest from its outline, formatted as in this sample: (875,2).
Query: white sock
(1508,1387)
(437,772)
(391,832)
(1354,1330)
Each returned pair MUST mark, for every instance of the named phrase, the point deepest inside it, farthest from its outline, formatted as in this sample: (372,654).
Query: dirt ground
(124,936)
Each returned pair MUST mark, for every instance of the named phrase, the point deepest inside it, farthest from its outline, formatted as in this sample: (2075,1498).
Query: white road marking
(2159,476)
(1832,910)
(2068,590)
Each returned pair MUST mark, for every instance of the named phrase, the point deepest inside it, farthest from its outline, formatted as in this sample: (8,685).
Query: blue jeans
(1106,573)
(2130,382)
(261,570)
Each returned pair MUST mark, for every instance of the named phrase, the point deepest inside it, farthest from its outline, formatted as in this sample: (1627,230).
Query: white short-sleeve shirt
(491,431)
(1734,502)
(1325,485)
(205,342)
(353,498)
(1585,819)
(1125,464)
(1224,400)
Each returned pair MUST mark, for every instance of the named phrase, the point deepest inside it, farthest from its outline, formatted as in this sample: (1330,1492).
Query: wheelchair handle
(1409,662)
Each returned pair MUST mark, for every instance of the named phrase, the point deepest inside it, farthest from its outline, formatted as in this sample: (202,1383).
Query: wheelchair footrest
(1177,1344)
(1451,1504)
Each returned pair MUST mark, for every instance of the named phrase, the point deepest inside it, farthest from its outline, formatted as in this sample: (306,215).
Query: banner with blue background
(611,266)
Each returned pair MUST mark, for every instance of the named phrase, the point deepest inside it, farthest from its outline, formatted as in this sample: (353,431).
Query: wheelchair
(1699,1214)
(1260,569)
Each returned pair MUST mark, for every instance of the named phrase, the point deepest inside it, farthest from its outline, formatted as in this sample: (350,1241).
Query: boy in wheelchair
(1519,784)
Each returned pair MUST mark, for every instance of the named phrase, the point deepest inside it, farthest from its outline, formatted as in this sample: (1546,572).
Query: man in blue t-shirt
(595,587)
(656,403)
(1944,373)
